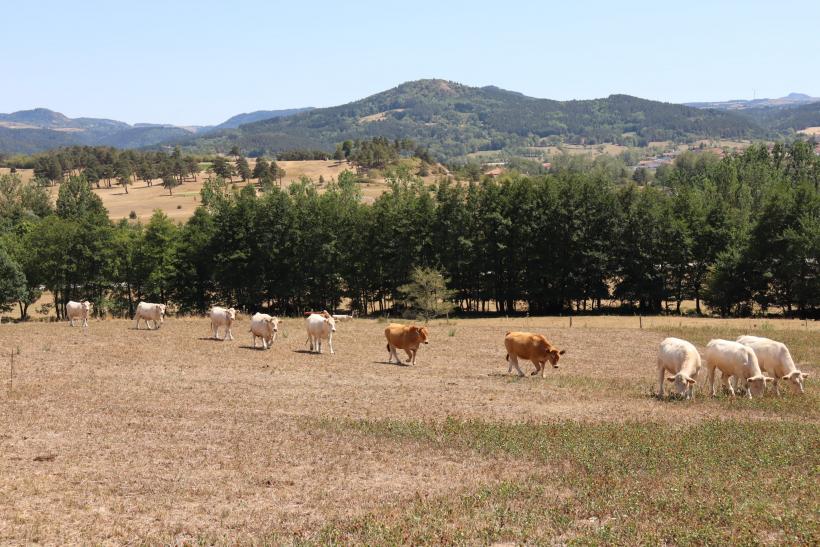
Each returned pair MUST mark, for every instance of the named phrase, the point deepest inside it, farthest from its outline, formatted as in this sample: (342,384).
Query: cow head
(274,323)
(87,306)
(421,333)
(161,308)
(331,322)
(553,355)
(681,383)
(795,380)
(757,384)
(230,313)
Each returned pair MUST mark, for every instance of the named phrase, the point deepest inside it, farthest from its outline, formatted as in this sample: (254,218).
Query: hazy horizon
(201,63)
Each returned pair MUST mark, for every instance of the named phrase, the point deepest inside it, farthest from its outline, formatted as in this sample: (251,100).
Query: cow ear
(562,352)
(690,380)
(804,374)
(670,379)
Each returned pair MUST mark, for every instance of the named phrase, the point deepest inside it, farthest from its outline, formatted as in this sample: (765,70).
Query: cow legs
(726,382)
(390,351)
(514,363)
(330,343)
(70,321)
(254,342)
(229,335)
(661,378)
(710,378)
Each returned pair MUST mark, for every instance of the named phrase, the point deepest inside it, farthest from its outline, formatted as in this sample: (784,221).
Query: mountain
(792,99)
(257,116)
(784,120)
(455,119)
(39,129)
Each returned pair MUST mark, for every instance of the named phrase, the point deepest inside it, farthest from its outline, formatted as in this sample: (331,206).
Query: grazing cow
(265,327)
(682,360)
(406,337)
(222,317)
(78,310)
(774,357)
(531,346)
(734,359)
(319,327)
(149,312)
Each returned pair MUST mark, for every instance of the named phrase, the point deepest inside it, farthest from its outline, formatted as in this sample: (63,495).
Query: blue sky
(202,62)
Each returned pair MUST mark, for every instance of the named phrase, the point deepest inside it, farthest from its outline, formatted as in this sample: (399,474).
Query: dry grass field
(110,435)
(144,199)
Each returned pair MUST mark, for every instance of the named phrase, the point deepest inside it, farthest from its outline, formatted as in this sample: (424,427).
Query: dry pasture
(113,435)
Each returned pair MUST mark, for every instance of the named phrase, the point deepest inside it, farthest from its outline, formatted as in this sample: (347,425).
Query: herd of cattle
(742,363)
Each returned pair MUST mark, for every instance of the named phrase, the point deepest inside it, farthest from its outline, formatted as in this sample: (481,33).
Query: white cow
(222,317)
(265,327)
(78,310)
(734,359)
(342,317)
(774,357)
(150,312)
(320,326)
(682,360)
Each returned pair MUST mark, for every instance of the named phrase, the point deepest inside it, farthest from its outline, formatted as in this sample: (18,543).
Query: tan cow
(533,347)
(406,337)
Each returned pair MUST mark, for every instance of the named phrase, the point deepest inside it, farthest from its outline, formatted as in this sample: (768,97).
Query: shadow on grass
(393,363)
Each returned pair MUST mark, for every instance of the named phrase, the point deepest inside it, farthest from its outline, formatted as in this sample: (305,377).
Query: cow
(222,317)
(78,310)
(265,327)
(531,346)
(342,317)
(406,337)
(682,360)
(320,326)
(734,359)
(149,312)
(774,357)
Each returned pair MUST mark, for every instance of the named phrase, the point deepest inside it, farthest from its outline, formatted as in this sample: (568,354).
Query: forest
(738,236)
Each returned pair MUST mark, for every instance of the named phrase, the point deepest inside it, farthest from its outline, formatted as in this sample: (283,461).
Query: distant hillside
(31,131)
(792,99)
(785,120)
(257,116)
(454,119)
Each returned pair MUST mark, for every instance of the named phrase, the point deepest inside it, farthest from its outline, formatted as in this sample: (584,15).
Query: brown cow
(534,347)
(406,337)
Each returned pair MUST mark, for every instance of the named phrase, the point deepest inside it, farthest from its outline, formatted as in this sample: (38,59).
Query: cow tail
(507,357)
(388,346)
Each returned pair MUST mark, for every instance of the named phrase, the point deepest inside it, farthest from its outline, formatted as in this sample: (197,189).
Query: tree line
(740,234)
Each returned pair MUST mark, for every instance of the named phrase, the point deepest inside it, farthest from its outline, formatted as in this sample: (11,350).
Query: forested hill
(785,119)
(40,129)
(454,119)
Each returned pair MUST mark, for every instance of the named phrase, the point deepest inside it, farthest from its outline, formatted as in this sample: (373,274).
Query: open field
(811,131)
(113,435)
(144,199)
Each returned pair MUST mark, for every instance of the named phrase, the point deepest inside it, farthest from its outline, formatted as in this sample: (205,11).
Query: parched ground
(114,435)
(143,200)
